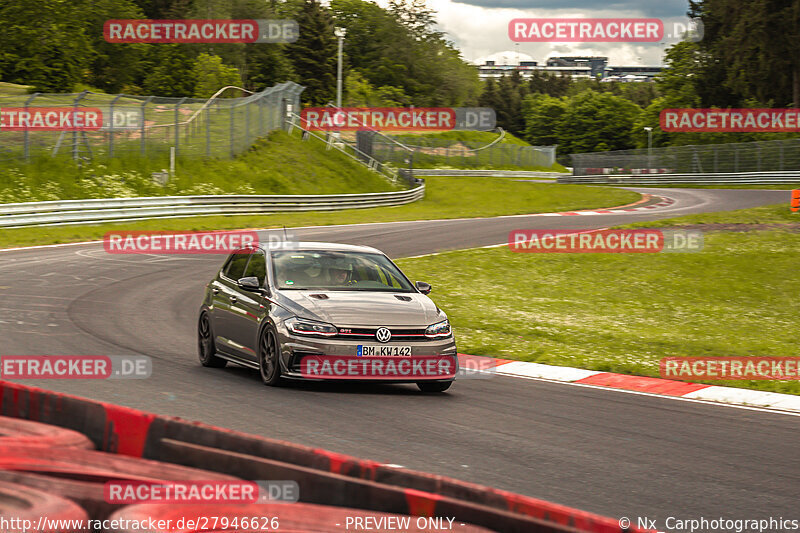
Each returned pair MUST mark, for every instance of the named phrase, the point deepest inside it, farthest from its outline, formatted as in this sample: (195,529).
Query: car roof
(326,246)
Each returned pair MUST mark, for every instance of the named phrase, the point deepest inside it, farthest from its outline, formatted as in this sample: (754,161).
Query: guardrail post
(26,134)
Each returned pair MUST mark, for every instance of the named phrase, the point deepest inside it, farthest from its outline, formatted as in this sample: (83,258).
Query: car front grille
(368,334)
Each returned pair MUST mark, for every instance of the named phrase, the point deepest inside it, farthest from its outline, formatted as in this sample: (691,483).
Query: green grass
(277,164)
(13,89)
(624,312)
(446,197)
(474,138)
(452,149)
(767,214)
(782,187)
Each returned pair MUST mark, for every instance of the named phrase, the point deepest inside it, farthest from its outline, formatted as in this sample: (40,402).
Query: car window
(257,267)
(234,269)
(337,270)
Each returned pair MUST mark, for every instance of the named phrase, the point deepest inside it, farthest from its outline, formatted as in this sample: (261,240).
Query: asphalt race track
(608,452)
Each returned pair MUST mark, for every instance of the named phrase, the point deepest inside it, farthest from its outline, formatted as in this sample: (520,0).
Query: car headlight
(440,329)
(311,328)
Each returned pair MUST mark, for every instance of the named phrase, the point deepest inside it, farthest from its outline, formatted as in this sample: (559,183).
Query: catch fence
(760,156)
(145,125)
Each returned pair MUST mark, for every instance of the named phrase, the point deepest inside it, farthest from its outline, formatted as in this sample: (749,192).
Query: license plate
(383,351)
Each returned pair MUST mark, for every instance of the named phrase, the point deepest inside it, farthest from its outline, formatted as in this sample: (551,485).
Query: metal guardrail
(64,212)
(738,178)
(486,173)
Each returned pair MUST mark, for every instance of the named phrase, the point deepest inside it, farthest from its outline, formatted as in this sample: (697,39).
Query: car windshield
(337,271)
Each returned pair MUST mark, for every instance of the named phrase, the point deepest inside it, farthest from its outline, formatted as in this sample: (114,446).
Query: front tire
(434,386)
(269,357)
(206,350)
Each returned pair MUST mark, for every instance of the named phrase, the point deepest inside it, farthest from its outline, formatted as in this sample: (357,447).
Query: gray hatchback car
(321,311)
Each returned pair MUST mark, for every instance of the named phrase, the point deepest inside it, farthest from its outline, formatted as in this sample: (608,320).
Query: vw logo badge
(383,334)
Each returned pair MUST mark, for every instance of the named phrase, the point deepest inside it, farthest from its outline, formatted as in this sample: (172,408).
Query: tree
(508,106)
(547,83)
(753,49)
(397,50)
(172,72)
(314,55)
(114,65)
(211,74)
(44,44)
(596,121)
(358,92)
(542,114)
(417,17)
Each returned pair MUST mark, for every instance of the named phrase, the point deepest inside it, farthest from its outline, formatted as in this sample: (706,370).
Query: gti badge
(383,334)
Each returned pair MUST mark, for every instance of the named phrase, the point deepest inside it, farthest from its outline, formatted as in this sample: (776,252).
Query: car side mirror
(249,283)
(424,288)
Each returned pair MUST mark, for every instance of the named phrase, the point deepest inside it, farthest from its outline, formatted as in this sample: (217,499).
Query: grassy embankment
(624,312)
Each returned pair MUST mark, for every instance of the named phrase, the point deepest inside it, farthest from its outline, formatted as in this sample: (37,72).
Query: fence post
(26,134)
(177,127)
(75,132)
(208,131)
(247,124)
(232,119)
(143,147)
(111,125)
(261,115)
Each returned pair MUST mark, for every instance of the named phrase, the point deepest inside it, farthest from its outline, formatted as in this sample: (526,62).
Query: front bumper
(322,359)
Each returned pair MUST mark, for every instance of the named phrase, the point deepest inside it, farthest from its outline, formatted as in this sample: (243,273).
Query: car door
(225,295)
(248,308)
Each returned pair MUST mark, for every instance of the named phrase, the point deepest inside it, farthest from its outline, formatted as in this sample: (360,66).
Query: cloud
(622,8)
(478,32)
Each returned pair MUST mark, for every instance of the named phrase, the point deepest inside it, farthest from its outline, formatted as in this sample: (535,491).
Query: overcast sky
(480,27)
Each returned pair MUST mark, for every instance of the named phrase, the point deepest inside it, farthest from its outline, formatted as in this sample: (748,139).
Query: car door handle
(234,299)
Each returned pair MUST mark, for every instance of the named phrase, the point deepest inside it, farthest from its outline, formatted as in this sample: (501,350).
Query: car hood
(357,308)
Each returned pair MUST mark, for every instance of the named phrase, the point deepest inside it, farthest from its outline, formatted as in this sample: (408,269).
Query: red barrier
(15,431)
(131,432)
(80,475)
(23,508)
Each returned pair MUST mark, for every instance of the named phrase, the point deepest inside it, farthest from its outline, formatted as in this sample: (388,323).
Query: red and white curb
(613,211)
(639,384)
